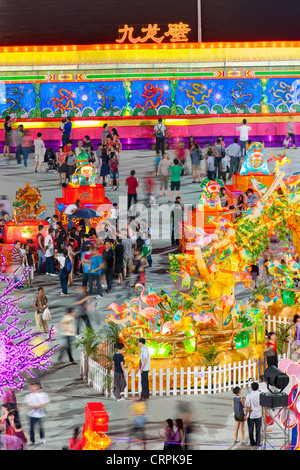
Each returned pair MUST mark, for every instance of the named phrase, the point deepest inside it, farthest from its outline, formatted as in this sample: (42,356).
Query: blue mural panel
(150,97)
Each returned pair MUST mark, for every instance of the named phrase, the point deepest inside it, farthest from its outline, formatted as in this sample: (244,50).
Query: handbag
(270,353)
(46,315)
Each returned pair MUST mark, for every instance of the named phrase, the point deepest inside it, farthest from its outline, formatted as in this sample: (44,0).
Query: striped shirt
(233,150)
(16,258)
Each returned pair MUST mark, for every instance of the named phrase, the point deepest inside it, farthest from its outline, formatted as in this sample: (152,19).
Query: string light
(17,353)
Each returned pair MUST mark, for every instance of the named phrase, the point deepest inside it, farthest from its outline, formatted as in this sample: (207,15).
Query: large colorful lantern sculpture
(25,220)
(255,163)
(202,310)
(83,186)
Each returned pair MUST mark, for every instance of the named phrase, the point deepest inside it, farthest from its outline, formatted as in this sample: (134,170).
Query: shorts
(196,167)
(38,158)
(240,417)
(127,263)
(175,185)
(114,175)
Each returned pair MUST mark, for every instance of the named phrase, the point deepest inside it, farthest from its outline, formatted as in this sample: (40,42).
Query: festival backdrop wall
(163,97)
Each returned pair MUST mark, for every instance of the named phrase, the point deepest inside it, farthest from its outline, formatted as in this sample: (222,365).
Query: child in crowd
(211,169)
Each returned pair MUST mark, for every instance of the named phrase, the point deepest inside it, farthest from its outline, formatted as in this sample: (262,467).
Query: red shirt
(274,346)
(132,184)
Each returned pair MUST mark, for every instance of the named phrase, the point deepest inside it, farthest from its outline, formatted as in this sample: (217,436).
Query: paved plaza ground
(212,414)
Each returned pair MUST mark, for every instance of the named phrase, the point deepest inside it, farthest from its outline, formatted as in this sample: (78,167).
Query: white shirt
(145,354)
(62,260)
(78,151)
(36,399)
(39,147)
(160,127)
(252,401)
(70,208)
(49,243)
(244,129)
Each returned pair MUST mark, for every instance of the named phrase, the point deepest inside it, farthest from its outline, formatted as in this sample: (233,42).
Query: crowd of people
(110,257)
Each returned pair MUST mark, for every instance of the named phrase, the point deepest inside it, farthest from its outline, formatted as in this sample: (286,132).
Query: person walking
(109,263)
(210,165)
(196,157)
(36,401)
(114,171)
(253,415)
(81,311)
(119,372)
(168,434)
(95,271)
(176,171)
(119,259)
(49,253)
(160,132)
(26,146)
(144,368)
(233,151)
(178,439)
(163,171)
(238,405)
(244,131)
(132,184)
(138,418)
(64,266)
(219,152)
(40,304)
(39,152)
(8,131)
(40,248)
(19,134)
(68,331)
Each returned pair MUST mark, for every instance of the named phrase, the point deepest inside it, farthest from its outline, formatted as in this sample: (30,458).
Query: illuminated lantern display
(25,220)
(83,186)
(96,423)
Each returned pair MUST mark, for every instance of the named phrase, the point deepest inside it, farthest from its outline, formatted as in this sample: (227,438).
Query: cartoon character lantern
(210,197)
(255,160)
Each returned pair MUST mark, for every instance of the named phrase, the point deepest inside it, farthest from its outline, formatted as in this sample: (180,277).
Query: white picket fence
(182,381)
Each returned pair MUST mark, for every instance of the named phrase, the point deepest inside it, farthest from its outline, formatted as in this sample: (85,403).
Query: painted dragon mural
(150,97)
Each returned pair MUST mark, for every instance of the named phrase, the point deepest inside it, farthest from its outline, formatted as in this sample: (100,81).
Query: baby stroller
(50,158)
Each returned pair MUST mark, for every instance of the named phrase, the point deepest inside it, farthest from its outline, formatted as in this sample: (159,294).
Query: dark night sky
(252,20)
(33,22)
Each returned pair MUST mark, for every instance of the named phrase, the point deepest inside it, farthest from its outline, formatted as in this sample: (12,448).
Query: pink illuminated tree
(17,351)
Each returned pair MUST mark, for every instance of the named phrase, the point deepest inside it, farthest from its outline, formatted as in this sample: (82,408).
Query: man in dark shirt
(67,131)
(109,261)
(119,372)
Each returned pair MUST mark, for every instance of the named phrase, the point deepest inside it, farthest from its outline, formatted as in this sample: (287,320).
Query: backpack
(68,265)
(159,132)
(114,166)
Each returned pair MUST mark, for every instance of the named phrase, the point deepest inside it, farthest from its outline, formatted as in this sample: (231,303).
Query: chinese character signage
(175,32)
